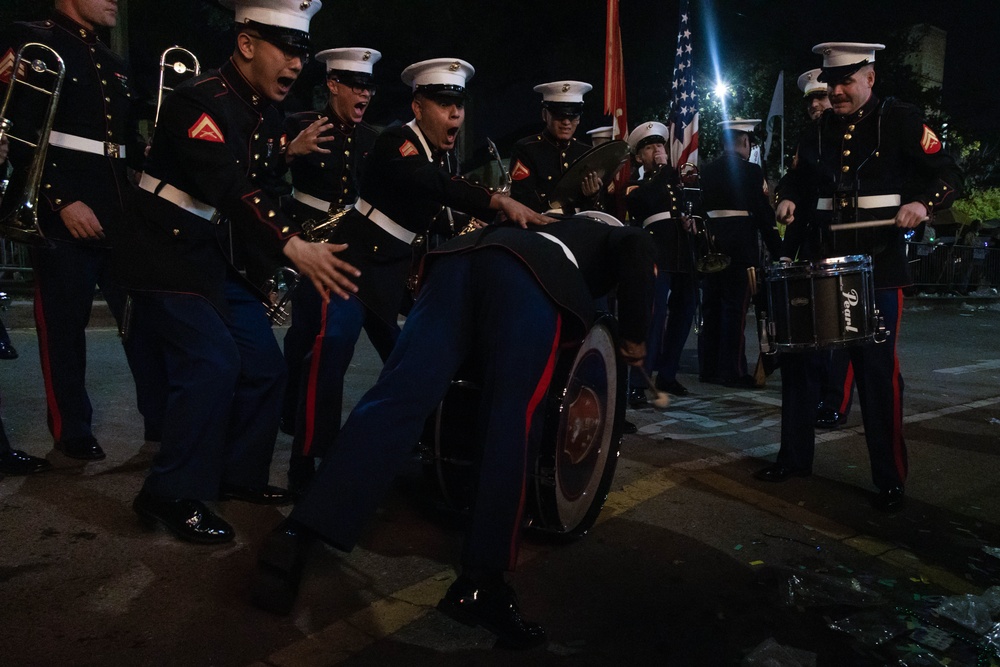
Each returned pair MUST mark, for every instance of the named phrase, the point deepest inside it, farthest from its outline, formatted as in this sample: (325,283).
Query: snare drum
(578,451)
(823,304)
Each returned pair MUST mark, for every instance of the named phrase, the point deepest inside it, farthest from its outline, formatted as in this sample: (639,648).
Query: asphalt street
(692,562)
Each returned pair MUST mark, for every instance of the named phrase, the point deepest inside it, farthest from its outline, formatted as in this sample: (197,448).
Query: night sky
(517,44)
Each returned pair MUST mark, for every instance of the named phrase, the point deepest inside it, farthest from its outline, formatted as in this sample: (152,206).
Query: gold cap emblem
(367,56)
(565,87)
(454,67)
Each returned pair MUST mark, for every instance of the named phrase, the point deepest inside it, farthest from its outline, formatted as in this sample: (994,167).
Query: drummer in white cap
(869,171)
(537,162)
(326,154)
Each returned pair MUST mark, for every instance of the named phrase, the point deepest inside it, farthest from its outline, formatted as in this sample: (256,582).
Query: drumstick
(662,398)
(861,225)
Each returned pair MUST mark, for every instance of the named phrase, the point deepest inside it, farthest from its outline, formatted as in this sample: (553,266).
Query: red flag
(614,97)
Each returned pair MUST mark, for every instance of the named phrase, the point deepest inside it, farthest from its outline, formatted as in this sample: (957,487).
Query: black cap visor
(652,139)
(441,92)
(830,75)
(294,42)
(352,78)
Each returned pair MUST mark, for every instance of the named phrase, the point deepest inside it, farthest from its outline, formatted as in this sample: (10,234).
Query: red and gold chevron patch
(206,129)
(408,149)
(929,142)
(7,66)
(519,172)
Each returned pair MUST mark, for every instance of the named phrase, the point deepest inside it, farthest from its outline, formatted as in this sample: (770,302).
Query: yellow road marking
(347,637)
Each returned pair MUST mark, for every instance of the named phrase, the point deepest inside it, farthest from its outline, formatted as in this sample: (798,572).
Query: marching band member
(837,373)
(81,207)
(506,298)
(737,213)
(193,258)
(325,153)
(408,178)
(537,162)
(870,159)
(653,204)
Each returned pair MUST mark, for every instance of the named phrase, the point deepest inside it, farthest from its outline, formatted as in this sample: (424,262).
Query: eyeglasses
(290,52)
(357,89)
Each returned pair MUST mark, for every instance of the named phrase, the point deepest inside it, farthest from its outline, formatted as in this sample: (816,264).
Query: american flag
(684,107)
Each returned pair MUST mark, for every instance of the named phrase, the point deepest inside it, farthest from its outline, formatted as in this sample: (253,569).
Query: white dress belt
(310,201)
(566,251)
(728,213)
(864,201)
(175,196)
(656,217)
(75,143)
(384,221)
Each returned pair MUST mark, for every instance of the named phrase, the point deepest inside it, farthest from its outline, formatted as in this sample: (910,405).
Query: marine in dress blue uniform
(653,205)
(539,161)
(407,183)
(207,235)
(80,206)
(836,371)
(14,461)
(738,216)
(870,159)
(504,297)
(325,182)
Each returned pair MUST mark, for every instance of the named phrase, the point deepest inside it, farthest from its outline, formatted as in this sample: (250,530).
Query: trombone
(19,215)
(181,68)
(708,260)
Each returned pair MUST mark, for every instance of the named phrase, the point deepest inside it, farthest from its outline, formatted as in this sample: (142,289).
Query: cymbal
(604,160)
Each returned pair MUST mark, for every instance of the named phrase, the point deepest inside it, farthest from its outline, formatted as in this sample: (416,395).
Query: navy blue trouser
(837,381)
(66,278)
(673,312)
(722,342)
(484,304)
(225,377)
(319,346)
(880,394)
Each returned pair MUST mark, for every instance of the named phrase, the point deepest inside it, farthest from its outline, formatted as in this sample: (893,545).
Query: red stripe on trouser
(898,446)
(845,391)
(55,417)
(311,382)
(540,390)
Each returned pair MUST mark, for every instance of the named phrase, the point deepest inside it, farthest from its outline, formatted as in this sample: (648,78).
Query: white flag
(777,109)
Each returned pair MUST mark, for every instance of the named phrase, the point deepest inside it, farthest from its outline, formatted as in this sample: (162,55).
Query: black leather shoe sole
(151,517)
(280,562)
(269,495)
(464,616)
(85,449)
(776,473)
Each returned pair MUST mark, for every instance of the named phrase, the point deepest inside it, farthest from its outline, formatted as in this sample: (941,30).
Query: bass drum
(578,449)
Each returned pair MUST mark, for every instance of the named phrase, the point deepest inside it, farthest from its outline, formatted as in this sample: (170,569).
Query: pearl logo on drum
(850,301)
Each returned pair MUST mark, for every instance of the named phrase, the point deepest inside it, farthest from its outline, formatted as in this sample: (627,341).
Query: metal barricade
(949,268)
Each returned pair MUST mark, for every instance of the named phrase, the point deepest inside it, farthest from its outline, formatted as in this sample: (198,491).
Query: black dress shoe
(494,607)
(7,350)
(85,448)
(779,473)
(637,397)
(888,500)
(16,462)
(628,428)
(301,470)
(828,418)
(742,382)
(188,519)
(265,495)
(280,562)
(673,387)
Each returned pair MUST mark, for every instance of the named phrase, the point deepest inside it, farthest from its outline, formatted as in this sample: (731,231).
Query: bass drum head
(579,450)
